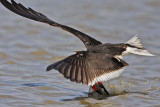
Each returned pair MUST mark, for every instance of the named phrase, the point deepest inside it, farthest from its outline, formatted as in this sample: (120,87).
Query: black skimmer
(101,62)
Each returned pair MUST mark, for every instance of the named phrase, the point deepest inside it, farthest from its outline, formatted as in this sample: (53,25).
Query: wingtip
(48,68)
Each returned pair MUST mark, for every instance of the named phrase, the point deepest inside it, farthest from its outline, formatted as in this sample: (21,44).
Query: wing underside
(87,68)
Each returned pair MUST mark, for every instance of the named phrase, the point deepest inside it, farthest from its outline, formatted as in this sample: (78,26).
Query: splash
(121,87)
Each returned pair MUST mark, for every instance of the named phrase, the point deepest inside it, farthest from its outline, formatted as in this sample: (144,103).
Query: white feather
(137,51)
(107,76)
(135,41)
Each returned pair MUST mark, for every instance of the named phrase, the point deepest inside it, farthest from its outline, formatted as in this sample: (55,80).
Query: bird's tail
(136,47)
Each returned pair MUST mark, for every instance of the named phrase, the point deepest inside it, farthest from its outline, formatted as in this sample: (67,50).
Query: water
(27,47)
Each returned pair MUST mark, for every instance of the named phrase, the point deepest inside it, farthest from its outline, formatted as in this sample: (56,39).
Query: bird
(100,62)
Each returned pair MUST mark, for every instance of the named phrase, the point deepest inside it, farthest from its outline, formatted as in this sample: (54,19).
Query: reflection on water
(27,47)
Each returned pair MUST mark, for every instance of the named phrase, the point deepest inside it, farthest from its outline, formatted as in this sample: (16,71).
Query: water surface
(27,47)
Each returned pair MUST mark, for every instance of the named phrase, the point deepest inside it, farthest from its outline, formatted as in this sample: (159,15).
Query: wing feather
(32,14)
(73,73)
(88,68)
(78,75)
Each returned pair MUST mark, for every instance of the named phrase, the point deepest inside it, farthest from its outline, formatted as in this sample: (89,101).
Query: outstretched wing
(89,68)
(31,14)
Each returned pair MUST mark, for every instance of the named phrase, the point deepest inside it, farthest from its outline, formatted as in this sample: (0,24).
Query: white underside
(107,76)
